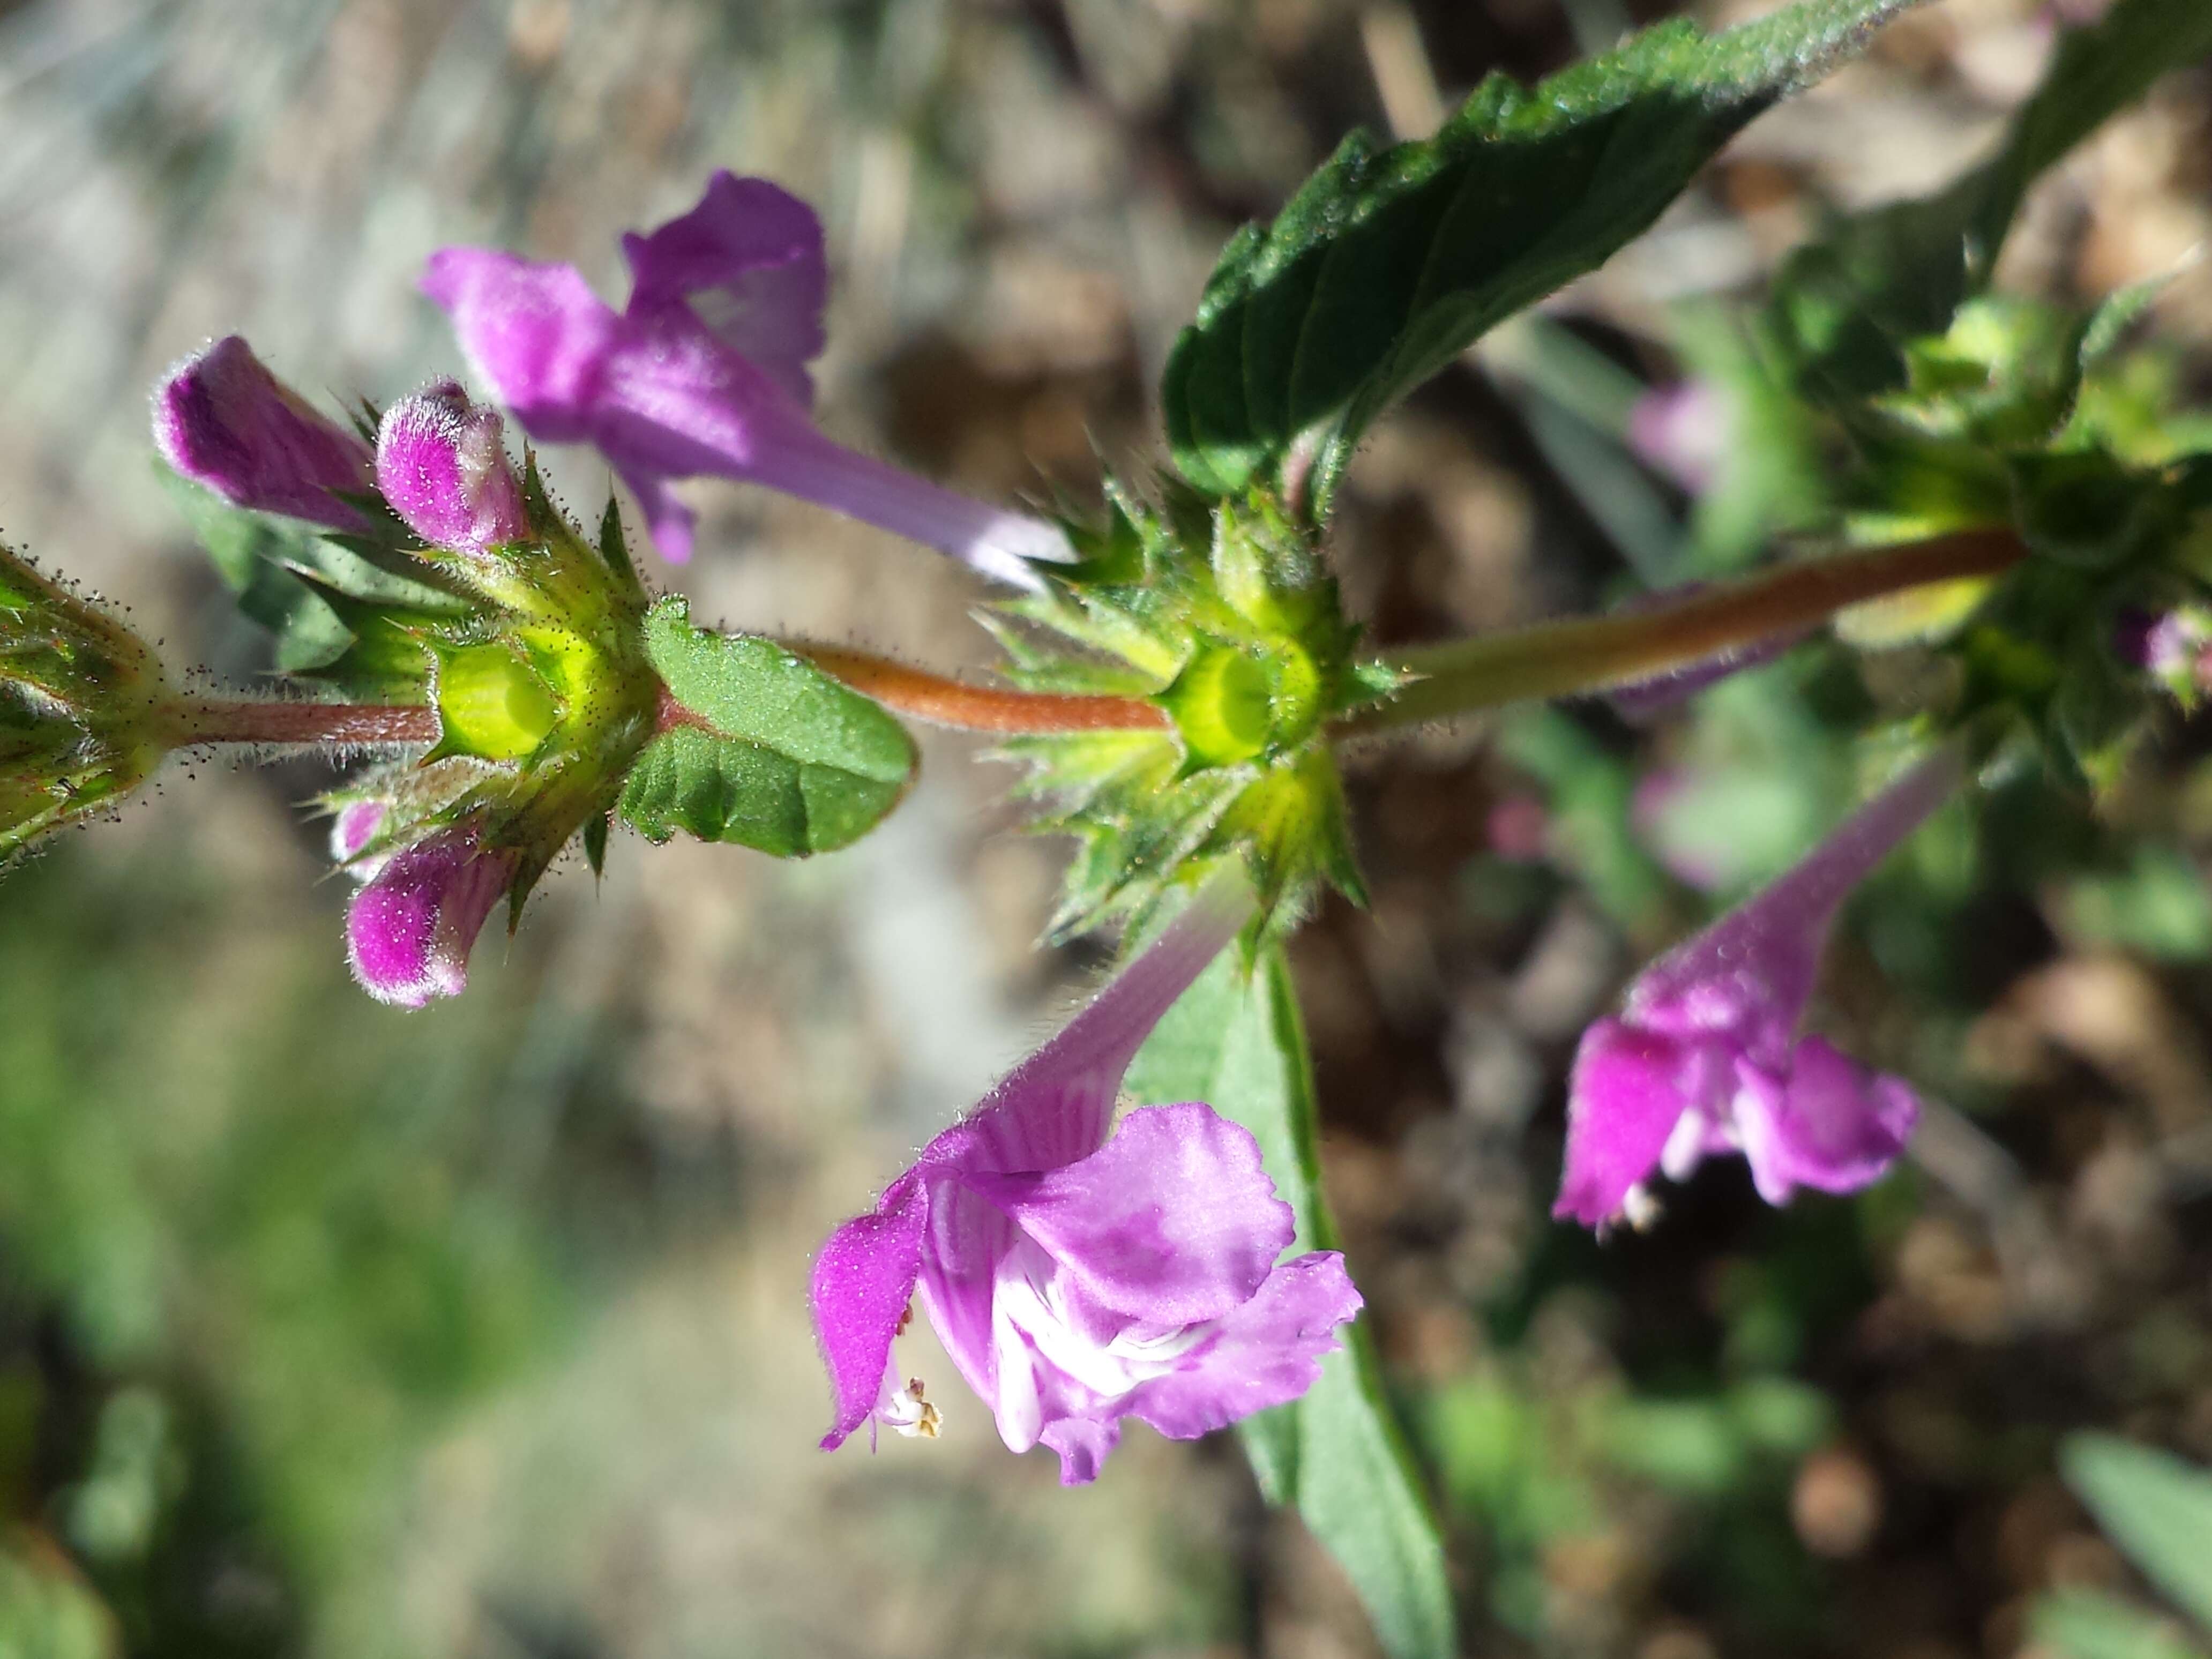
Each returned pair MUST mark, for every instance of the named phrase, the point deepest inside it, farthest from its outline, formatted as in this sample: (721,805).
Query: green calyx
(1224,616)
(86,712)
(545,689)
(2039,420)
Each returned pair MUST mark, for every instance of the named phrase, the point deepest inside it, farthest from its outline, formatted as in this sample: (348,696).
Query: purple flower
(1682,430)
(1079,1273)
(353,826)
(2173,647)
(223,421)
(704,373)
(1705,1055)
(441,465)
(410,929)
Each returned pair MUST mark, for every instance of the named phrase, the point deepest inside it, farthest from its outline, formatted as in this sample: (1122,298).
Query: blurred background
(330,1329)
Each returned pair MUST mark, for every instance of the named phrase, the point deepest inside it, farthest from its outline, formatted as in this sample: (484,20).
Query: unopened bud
(441,465)
(224,422)
(410,928)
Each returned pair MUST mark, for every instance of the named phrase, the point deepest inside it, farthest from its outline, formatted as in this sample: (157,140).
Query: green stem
(325,725)
(1590,654)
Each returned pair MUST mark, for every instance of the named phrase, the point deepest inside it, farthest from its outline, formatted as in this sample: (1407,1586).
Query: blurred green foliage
(273,1251)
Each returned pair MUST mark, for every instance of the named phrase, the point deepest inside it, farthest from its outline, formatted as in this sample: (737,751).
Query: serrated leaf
(1336,1454)
(1388,263)
(784,758)
(2156,1507)
(1843,307)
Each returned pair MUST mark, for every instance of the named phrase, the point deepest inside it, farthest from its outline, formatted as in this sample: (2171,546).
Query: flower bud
(410,929)
(224,422)
(441,464)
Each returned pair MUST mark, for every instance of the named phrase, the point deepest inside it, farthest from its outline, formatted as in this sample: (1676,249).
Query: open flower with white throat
(1078,1271)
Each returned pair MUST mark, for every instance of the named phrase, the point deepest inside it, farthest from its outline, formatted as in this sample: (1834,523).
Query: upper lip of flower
(704,372)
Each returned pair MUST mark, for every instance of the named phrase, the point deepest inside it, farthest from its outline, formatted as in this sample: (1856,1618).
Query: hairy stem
(1597,653)
(325,725)
(944,701)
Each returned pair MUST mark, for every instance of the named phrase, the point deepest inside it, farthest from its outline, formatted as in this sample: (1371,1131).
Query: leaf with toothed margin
(1336,1455)
(778,755)
(1388,263)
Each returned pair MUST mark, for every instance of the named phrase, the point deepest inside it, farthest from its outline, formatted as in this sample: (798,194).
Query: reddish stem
(944,701)
(325,725)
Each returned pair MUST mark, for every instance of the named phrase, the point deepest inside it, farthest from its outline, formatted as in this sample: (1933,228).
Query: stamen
(908,1412)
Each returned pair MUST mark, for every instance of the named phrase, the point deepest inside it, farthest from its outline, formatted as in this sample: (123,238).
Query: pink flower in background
(1681,430)
(353,826)
(223,421)
(703,374)
(441,465)
(1078,1272)
(410,929)
(1706,1058)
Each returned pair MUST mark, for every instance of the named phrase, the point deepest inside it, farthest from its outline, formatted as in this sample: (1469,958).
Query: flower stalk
(323,725)
(1590,654)
(942,701)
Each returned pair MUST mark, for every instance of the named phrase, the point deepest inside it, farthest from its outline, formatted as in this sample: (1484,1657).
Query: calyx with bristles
(86,712)
(1224,616)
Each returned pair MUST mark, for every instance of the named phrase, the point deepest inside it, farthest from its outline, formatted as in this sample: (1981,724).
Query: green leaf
(784,758)
(1843,306)
(1235,1043)
(2083,1624)
(1387,264)
(2156,1508)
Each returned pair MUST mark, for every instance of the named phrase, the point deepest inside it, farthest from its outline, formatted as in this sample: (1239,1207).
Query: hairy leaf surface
(782,757)
(1389,262)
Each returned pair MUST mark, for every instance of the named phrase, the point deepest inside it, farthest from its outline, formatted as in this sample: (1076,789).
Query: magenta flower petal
(1173,1219)
(703,375)
(1076,1274)
(1705,1055)
(748,263)
(410,930)
(1832,1125)
(223,421)
(536,334)
(1642,1079)
(863,1281)
(354,825)
(441,464)
(1264,1353)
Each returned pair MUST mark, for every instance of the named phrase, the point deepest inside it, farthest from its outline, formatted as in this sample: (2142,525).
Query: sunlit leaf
(1389,262)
